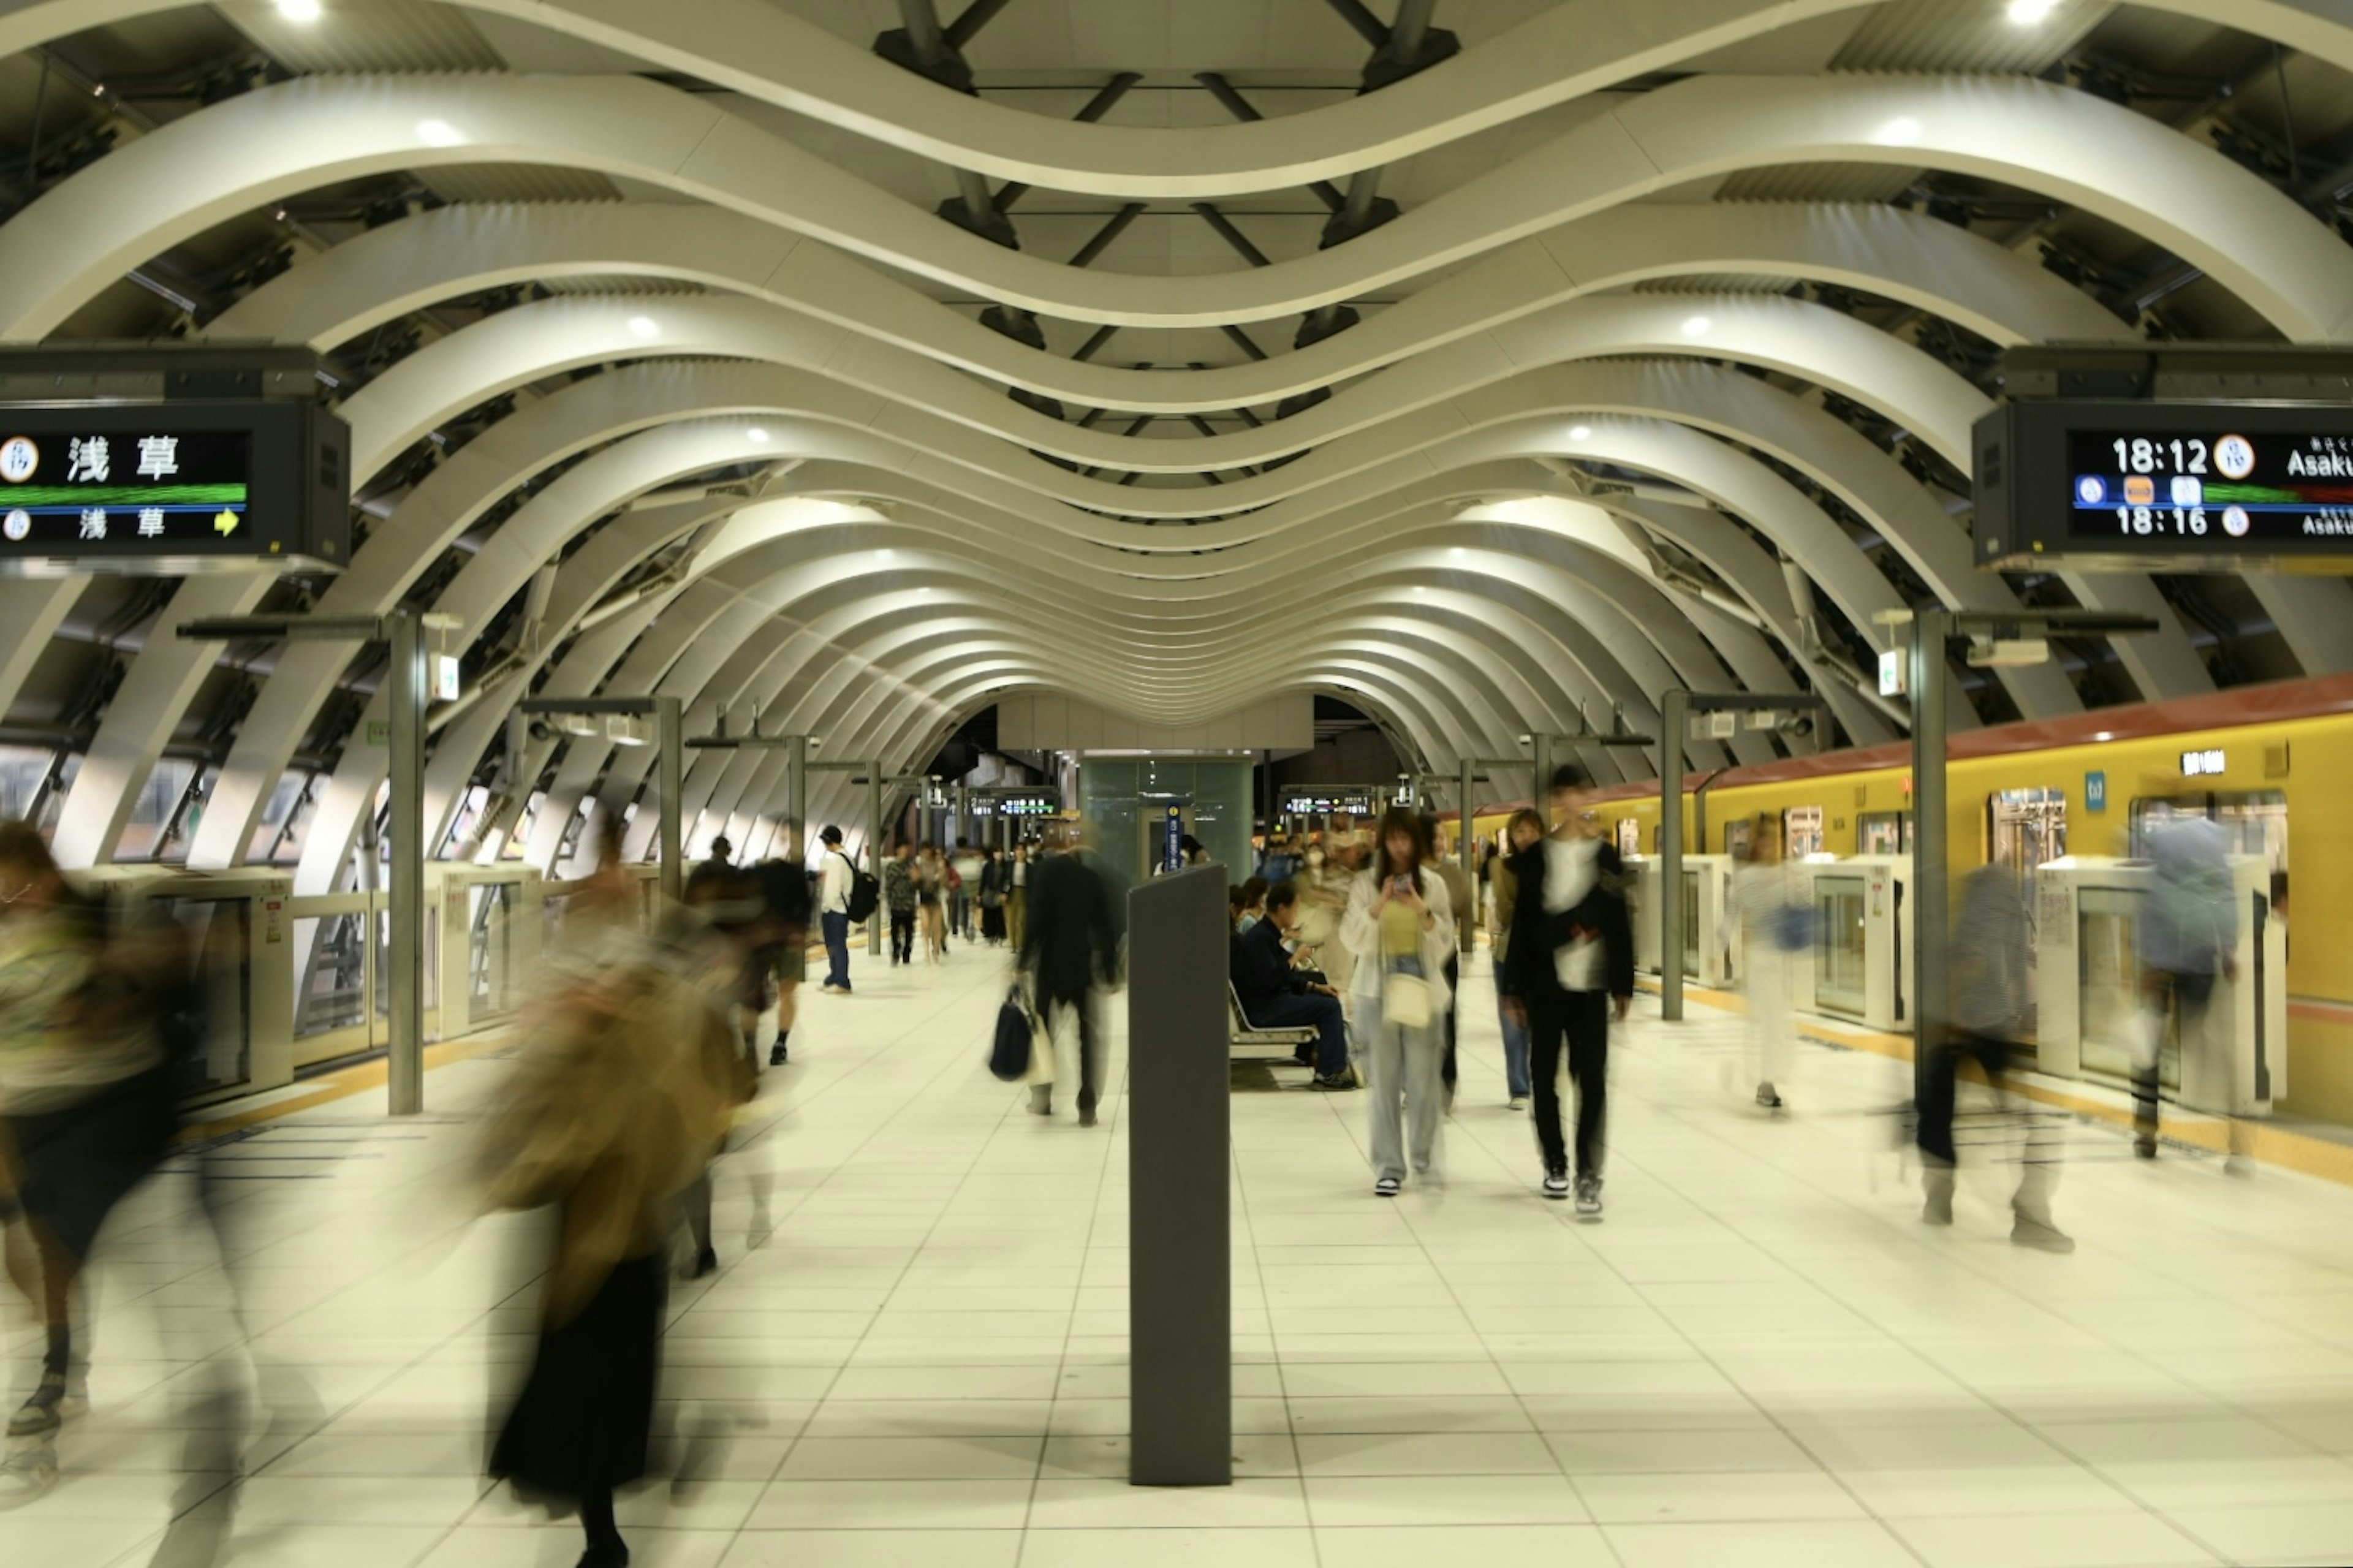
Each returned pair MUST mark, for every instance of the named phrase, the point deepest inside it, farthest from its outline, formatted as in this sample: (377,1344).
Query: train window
(1884,832)
(2256,820)
(1801,832)
(1629,836)
(2026,827)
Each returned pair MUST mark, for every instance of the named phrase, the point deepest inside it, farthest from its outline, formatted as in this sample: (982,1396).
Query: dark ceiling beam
(1242,109)
(1096,108)
(970,21)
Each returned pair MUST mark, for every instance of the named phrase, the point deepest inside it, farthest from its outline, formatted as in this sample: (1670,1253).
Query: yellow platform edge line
(342,1084)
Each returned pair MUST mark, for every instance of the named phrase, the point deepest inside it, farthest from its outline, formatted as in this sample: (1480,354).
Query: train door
(1630,837)
(2026,828)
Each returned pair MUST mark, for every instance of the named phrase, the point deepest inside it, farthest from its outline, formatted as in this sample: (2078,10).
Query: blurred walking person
(1072,948)
(931,895)
(996,882)
(901,897)
(623,1088)
(1774,913)
(1988,968)
(1525,830)
(1571,965)
(85,1114)
(1017,895)
(1463,896)
(1400,929)
(2188,936)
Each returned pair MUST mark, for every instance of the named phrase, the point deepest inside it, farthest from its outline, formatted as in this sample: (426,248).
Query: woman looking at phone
(1400,928)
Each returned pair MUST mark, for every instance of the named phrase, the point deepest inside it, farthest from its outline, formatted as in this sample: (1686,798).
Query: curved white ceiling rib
(1561,54)
(167,186)
(382,274)
(534,342)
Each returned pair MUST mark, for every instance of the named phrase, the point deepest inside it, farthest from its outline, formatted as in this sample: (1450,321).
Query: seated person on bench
(1275,996)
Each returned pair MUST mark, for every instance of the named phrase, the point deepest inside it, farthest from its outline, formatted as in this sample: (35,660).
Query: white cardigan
(1360,933)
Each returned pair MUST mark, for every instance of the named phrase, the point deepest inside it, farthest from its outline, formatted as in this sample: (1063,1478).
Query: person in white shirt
(1400,928)
(834,884)
(1775,920)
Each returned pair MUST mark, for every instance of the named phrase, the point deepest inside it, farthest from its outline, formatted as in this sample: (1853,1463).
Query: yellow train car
(2270,762)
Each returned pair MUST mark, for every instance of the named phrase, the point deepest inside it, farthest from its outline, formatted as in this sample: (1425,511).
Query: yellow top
(1400,929)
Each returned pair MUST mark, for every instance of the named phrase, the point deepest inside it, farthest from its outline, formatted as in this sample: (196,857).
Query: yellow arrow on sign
(225,523)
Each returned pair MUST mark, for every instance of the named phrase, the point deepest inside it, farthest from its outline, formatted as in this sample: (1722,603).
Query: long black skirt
(584,1422)
(79,1162)
(992,923)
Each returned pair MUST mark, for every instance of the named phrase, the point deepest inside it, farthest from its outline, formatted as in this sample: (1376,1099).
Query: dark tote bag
(1008,1054)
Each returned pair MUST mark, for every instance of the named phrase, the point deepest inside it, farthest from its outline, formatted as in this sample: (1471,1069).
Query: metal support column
(874,853)
(1932,909)
(1540,746)
(797,792)
(668,721)
(405,1058)
(1674,725)
(1466,922)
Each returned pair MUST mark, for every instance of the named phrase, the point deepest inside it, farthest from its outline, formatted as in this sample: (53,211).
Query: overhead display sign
(173,489)
(2179,487)
(1355,802)
(1017,806)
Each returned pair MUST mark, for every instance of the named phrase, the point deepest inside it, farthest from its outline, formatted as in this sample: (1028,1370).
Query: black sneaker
(1555,1185)
(777,1054)
(1339,1082)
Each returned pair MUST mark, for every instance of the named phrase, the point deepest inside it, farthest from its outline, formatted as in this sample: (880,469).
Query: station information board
(2182,487)
(1330,803)
(173,489)
(1042,804)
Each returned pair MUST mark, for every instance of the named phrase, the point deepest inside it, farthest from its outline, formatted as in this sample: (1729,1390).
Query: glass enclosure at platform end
(1127,799)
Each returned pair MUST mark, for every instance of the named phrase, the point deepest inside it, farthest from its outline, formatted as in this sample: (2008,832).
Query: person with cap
(836,882)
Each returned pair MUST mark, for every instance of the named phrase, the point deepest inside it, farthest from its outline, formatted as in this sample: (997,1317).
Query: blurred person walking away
(785,892)
(931,895)
(994,883)
(1774,914)
(2188,935)
(1571,965)
(835,884)
(86,1112)
(1275,995)
(1017,895)
(625,1083)
(1987,966)
(899,896)
(1072,947)
(965,885)
(1465,901)
(721,865)
(1525,830)
(1400,928)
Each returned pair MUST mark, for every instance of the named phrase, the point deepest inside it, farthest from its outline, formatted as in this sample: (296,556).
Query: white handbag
(1405,1001)
(1041,1051)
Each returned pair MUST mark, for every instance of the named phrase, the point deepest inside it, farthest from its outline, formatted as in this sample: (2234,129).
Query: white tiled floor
(1759,1357)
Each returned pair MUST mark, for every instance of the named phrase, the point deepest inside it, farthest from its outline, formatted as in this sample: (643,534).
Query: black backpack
(865,892)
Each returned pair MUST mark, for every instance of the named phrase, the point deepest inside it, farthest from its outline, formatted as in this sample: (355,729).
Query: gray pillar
(1466,922)
(874,852)
(923,812)
(797,792)
(1540,748)
(1179,1162)
(1674,723)
(668,721)
(1932,634)
(405,1057)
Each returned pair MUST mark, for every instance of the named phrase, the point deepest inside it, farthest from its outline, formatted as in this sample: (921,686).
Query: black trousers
(1578,1022)
(1939,1088)
(902,936)
(2184,998)
(1454,988)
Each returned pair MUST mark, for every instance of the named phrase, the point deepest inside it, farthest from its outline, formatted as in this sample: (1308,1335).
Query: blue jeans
(836,950)
(1516,1050)
(1323,1012)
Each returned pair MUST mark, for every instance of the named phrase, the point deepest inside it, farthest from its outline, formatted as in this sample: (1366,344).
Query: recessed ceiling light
(298,10)
(756,435)
(1697,326)
(2031,13)
(644,327)
(1581,432)
(1458,553)
(438,133)
(1900,132)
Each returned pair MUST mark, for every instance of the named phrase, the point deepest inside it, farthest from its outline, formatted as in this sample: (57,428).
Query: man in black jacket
(1069,946)
(1275,996)
(1569,956)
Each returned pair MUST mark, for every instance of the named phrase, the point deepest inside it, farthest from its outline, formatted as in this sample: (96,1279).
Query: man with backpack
(835,885)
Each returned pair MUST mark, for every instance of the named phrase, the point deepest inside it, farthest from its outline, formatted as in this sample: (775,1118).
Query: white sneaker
(1519,1102)
(1555,1185)
(28,1472)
